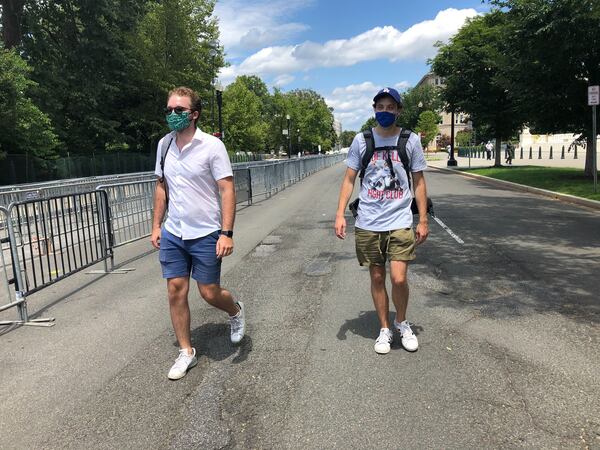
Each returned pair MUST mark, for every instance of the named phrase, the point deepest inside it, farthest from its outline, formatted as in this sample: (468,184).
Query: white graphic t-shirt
(385,197)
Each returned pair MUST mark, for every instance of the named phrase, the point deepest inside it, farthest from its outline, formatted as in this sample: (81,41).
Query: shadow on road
(212,340)
(367,326)
(522,254)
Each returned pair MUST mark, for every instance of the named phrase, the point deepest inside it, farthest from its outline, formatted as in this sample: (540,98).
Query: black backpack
(400,147)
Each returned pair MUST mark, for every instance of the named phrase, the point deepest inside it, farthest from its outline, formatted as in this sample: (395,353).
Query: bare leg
(218,297)
(178,289)
(398,272)
(380,296)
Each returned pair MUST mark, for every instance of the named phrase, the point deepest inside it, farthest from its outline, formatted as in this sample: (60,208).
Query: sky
(344,50)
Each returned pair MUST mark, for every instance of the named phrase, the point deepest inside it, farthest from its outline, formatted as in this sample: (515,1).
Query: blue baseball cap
(391,92)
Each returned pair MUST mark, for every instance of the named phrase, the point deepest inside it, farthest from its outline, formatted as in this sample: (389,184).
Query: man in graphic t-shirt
(384,226)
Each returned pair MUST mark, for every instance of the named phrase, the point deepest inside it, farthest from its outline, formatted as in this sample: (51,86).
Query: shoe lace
(182,359)
(236,323)
(406,331)
(383,338)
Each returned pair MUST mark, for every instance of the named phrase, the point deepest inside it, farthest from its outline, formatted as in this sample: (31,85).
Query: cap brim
(386,94)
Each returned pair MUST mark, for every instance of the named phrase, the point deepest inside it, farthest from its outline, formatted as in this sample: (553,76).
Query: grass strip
(556,179)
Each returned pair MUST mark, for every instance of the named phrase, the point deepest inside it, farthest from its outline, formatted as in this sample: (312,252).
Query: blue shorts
(179,258)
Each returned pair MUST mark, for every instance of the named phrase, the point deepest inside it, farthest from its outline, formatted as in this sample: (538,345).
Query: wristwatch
(228,233)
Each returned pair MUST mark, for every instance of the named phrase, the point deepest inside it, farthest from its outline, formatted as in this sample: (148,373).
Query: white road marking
(448,230)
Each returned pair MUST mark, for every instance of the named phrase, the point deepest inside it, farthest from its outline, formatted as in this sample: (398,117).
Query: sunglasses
(177,110)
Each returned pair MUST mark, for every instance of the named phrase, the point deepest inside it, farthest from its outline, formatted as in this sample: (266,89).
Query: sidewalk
(463,162)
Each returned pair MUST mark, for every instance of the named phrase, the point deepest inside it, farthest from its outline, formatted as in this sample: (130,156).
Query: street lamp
(298,134)
(288,136)
(219,90)
(452,162)
(213,52)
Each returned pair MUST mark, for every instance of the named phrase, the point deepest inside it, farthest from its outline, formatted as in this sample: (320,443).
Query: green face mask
(178,122)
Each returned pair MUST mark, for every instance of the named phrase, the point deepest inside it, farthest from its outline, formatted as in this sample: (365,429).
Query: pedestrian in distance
(195,183)
(488,149)
(384,225)
(508,153)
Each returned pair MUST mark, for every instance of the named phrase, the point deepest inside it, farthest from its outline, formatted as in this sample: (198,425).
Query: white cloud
(416,43)
(402,85)
(284,79)
(252,25)
(352,104)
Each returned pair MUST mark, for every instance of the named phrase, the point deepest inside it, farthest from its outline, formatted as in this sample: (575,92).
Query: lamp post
(452,162)
(298,134)
(288,136)
(419,105)
(219,90)
(213,52)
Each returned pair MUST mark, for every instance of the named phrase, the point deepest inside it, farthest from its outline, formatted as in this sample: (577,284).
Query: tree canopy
(85,77)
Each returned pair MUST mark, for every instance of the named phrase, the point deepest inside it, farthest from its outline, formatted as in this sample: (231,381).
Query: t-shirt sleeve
(157,170)
(354,154)
(220,166)
(417,157)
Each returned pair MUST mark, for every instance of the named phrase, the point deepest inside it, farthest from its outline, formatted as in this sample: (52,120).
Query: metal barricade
(243,185)
(129,210)
(34,191)
(51,239)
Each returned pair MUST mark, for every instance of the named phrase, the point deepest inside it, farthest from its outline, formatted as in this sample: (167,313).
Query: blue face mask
(385,119)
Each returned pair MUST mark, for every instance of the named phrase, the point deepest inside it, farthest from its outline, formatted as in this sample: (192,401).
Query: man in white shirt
(196,185)
(488,149)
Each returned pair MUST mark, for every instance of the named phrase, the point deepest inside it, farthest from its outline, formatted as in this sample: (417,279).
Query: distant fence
(46,240)
(15,169)
(546,151)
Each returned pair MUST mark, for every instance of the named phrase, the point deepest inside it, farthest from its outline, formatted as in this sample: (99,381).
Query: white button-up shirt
(191,175)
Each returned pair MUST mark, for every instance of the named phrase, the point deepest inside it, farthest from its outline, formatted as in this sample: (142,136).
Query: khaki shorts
(377,247)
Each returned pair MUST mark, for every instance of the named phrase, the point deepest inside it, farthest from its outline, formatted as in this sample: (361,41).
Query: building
(337,127)
(461,121)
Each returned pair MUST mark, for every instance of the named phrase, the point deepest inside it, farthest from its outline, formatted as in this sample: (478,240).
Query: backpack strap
(401,149)
(366,159)
(164,149)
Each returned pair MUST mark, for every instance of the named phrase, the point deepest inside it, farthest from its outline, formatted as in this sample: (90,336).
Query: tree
(471,64)
(12,11)
(553,48)
(427,126)
(311,115)
(464,138)
(415,101)
(103,67)
(175,43)
(24,128)
(243,126)
(370,123)
(82,67)
(347,137)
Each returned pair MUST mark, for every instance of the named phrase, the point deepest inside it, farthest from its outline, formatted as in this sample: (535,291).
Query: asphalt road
(508,324)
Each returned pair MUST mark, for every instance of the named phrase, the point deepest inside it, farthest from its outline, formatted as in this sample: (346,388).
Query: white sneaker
(384,341)
(183,363)
(238,324)
(409,340)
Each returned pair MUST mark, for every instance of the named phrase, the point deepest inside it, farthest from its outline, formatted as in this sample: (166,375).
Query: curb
(592,204)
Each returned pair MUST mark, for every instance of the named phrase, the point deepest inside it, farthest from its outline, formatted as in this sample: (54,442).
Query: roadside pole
(593,101)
